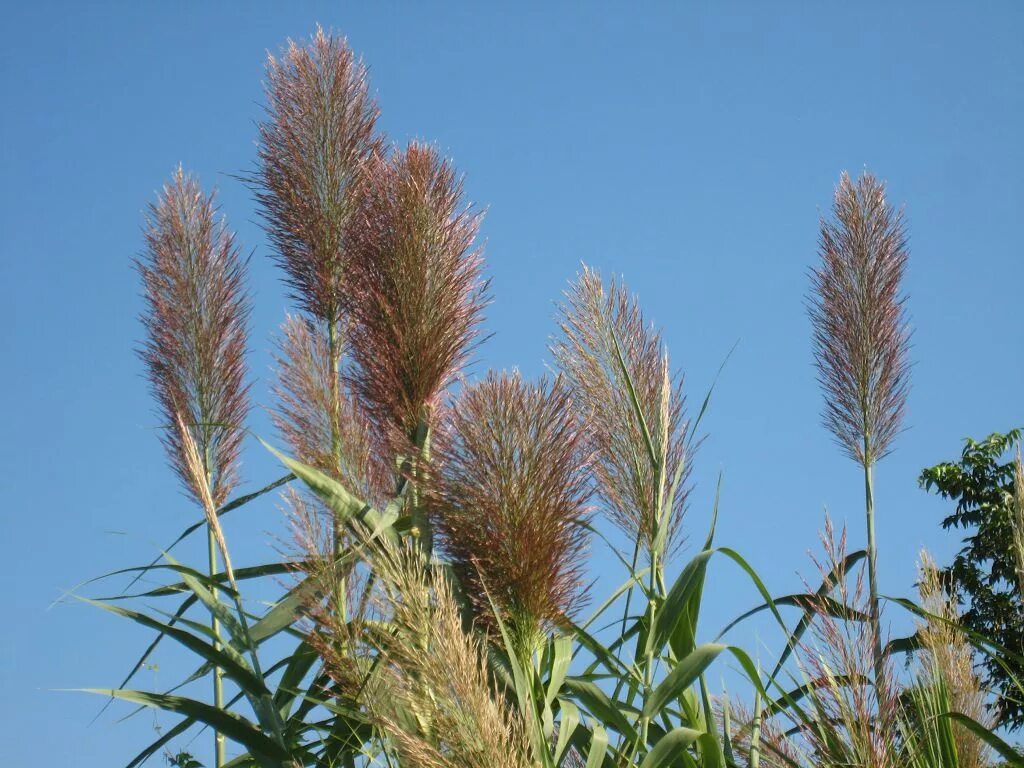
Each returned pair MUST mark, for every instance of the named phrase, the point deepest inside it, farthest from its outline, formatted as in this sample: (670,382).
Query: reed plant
(197,310)
(861,341)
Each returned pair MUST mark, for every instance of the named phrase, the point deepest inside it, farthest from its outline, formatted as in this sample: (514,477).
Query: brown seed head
(195,321)
(861,336)
(593,322)
(509,494)
(318,135)
(417,289)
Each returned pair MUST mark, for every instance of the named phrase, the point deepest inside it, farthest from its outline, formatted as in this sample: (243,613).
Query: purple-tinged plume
(195,319)
(509,493)
(318,135)
(604,336)
(861,337)
(417,289)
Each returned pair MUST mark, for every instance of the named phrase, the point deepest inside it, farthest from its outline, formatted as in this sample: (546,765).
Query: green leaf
(668,747)
(567,724)
(638,410)
(233,726)
(298,666)
(561,658)
(231,505)
(598,747)
(335,496)
(230,661)
(197,583)
(1005,750)
(683,675)
(598,704)
(710,751)
(685,590)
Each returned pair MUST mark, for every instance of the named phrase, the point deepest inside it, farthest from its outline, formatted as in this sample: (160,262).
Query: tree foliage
(983,575)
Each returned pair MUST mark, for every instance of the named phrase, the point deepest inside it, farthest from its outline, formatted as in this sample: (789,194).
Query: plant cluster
(435,599)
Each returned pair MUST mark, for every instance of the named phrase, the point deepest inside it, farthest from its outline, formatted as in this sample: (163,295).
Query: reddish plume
(195,320)
(318,135)
(861,336)
(509,494)
(417,289)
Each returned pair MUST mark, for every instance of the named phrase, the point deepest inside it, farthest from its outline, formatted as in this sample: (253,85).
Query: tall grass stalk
(196,313)
(861,341)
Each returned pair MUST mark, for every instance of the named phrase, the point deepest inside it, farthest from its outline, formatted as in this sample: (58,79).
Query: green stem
(334,352)
(218,673)
(876,626)
(645,720)
(420,439)
(755,733)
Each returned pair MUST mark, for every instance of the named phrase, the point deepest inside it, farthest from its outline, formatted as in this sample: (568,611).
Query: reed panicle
(947,661)
(771,748)
(335,440)
(603,332)
(856,721)
(509,494)
(434,697)
(861,336)
(195,321)
(313,147)
(336,611)
(417,289)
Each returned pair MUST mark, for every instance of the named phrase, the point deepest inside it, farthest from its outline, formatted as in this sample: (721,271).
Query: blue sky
(689,146)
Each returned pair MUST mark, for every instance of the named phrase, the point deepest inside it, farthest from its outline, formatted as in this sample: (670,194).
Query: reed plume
(861,336)
(417,290)
(336,605)
(433,696)
(313,146)
(338,440)
(617,365)
(856,721)
(195,320)
(509,494)
(947,662)
(756,741)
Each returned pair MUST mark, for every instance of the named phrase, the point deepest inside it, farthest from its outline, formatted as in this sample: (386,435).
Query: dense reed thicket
(435,600)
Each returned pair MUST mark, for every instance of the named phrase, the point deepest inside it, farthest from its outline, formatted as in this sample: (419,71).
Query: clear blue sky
(690,146)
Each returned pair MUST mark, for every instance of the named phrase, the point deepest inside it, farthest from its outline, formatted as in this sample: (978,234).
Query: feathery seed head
(861,336)
(195,320)
(417,288)
(509,493)
(435,694)
(307,383)
(604,331)
(948,661)
(855,723)
(318,135)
